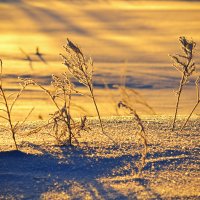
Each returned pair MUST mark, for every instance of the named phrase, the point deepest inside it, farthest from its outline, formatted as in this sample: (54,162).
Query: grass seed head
(78,65)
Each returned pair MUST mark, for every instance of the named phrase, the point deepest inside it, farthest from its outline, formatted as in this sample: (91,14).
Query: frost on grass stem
(81,68)
(186,66)
(140,132)
(78,65)
(7,103)
(61,125)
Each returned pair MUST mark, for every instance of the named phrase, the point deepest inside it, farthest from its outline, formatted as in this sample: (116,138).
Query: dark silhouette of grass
(40,55)
(28,58)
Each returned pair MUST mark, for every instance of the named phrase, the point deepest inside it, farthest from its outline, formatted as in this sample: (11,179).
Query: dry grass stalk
(197,102)
(132,97)
(111,97)
(186,66)
(81,68)
(7,108)
(129,98)
(63,128)
(140,132)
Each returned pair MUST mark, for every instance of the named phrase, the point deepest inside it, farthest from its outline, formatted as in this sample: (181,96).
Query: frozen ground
(98,169)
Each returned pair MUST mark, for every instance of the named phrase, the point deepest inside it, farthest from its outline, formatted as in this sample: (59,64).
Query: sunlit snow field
(124,38)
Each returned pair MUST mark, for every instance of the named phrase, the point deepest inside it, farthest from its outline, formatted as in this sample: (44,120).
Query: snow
(129,39)
(98,169)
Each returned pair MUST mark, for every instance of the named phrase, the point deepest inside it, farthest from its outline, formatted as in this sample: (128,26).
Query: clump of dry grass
(8,102)
(81,68)
(61,124)
(186,66)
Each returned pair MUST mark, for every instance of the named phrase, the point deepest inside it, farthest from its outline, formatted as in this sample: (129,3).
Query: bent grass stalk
(136,98)
(128,104)
(141,131)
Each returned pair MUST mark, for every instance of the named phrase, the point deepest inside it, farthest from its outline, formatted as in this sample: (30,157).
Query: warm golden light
(89,90)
